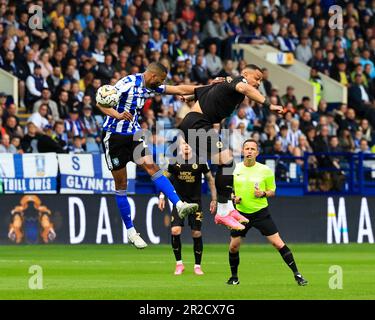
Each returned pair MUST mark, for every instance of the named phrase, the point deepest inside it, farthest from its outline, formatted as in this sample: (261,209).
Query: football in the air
(107,96)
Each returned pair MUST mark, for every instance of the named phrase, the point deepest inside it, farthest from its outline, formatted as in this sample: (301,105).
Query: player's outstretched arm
(115,114)
(256,96)
(182,90)
(187,89)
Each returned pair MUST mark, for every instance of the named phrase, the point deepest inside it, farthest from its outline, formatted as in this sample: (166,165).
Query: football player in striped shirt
(122,140)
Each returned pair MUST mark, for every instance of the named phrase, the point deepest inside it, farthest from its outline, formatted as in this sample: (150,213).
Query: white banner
(28,173)
(88,173)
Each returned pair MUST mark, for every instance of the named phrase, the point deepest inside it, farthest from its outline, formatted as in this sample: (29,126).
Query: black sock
(288,258)
(234,261)
(198,249)
(176,245)
(224,183)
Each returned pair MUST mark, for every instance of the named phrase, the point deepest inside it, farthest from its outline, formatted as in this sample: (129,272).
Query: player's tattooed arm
(161,203)
(187,98)
(186,89)
(115,114)
(211,184)
(256,96)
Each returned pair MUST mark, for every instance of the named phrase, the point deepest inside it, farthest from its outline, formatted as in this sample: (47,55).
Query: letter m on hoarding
(336,224)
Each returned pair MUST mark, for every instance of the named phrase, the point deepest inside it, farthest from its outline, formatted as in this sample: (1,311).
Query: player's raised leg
(224,187)
(120,178)
(165,186)
(287,256)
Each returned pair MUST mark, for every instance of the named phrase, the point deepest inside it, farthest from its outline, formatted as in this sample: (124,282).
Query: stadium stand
(84,45)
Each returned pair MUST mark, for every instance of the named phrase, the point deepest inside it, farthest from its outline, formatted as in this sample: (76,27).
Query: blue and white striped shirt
(132,99)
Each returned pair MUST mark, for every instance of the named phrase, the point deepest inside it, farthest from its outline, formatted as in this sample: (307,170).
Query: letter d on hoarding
(74,238)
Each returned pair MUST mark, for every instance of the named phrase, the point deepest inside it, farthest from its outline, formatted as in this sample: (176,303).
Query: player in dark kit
(187,180)
(213,104)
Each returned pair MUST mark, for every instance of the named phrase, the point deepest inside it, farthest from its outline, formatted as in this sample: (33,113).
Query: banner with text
(75,219)
(28,173)
(88,173)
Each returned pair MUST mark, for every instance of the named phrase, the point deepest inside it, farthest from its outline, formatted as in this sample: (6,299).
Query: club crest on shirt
(228,79)
(116,162)
(195,166)
(219,144)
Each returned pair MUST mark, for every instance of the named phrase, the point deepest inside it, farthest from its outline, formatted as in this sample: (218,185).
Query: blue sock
(124,207)
(163,184)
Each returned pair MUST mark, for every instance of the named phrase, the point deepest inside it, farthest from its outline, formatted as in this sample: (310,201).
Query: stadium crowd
(85,44)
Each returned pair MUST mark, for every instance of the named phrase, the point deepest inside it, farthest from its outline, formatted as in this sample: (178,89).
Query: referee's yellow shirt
(245,179)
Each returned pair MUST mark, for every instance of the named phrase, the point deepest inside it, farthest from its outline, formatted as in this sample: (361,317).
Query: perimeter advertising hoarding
(76,219)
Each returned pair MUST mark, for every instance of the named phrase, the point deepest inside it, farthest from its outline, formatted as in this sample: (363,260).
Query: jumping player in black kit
(213,104)
(187,180)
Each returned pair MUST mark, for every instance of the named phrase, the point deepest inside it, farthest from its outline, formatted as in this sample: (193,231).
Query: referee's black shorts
(260,220)
(206,145)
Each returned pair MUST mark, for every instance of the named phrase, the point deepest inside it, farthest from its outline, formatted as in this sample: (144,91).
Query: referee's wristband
(266,103)
(264,194)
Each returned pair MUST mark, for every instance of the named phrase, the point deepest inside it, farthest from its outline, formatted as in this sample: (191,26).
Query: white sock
(230,206)
(179,262)
(222,209)
(197,266)
(179,204)
(131,231)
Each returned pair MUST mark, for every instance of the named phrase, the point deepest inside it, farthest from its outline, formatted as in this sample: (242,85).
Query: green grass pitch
(122,272)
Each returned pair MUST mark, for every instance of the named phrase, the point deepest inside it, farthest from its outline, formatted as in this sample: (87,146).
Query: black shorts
(194,220)
(207,145)
(119,149)
(260,220)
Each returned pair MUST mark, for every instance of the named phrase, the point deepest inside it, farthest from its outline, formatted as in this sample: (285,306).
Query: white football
(107,96)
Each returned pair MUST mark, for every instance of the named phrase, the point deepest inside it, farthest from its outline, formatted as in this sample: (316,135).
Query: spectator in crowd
(60,135)
(12,128)
(93,138)
(62,104)
(6,146)
(199,73)
(54,79)
(77,145)
(34,86)
(30,139)
(52,105)
(214,64)
(316,81)
(293,134)
(363,146)
(303,50)
(289,97)
(346,140)
(266,85)
(39,118)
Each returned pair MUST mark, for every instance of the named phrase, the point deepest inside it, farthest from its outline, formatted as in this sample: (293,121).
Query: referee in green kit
(253,184)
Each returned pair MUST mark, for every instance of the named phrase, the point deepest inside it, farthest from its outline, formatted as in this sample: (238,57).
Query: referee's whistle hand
(236,200)
(258,193)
